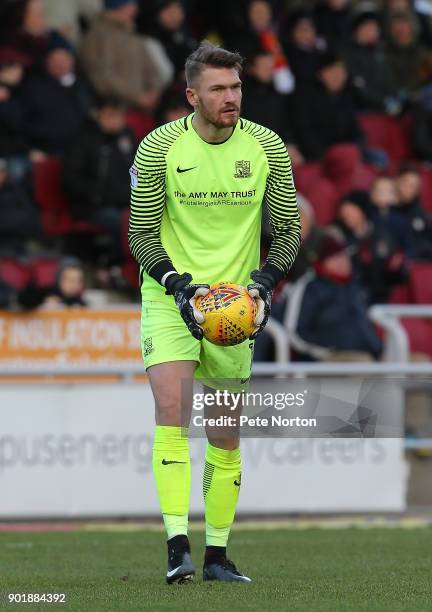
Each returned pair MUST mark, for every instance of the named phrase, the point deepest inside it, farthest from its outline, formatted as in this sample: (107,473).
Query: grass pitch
(311,570)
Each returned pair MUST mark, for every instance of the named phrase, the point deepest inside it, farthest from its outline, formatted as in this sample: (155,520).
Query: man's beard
(217,119)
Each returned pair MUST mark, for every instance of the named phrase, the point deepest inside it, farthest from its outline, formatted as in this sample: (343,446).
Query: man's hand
(261,290)
(185,296)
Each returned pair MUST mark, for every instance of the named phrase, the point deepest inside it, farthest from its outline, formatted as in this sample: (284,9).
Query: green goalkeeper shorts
(165,337)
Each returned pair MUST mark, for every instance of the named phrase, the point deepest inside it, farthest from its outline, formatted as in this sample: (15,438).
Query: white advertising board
(84,451)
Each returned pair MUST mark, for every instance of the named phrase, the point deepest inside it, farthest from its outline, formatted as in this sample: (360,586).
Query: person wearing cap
(330,321)
(56,100)
(117,61)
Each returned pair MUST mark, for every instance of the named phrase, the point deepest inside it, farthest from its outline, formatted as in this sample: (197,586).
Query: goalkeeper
(198,184)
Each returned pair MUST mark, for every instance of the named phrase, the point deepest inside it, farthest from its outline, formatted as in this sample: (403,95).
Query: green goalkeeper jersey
(196,207)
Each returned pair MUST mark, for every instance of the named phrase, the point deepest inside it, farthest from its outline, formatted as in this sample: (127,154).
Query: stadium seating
(318,190)
(140,123)
(420,335)
(56,219)
(426,188)
(390,134)
(420,282)
(15,273)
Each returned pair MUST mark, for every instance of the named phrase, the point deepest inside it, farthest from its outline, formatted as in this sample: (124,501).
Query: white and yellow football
(229,313)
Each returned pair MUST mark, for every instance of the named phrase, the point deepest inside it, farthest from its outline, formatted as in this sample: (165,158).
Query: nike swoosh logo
(244,380)
(165,462)
(237,484)
(172,572)
(180,170)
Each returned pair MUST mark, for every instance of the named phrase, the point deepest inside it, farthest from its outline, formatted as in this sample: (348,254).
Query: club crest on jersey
(242,169)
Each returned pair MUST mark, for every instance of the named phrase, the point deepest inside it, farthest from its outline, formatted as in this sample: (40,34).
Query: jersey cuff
(276,274)
(159,270)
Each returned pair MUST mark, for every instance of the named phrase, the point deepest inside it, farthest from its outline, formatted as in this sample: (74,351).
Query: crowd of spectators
(82,81)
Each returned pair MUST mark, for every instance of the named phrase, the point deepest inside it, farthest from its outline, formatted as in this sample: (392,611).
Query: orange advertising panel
(70,337)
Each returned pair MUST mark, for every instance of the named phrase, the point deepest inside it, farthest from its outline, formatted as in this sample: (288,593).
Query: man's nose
(229,95)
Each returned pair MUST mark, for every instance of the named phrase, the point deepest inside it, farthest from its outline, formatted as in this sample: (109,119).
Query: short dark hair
(208,55)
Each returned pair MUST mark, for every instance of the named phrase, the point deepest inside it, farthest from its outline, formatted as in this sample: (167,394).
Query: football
(229,313)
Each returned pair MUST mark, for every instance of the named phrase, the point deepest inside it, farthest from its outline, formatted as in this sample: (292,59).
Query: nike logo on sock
(180,170)
(237,484)
(172,572)
(165,462)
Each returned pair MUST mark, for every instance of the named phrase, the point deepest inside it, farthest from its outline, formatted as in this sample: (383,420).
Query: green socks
(221,487)
(221,484)
(171,469)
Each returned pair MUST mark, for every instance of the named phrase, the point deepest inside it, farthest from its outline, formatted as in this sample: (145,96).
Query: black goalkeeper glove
(185,296)
(261,290)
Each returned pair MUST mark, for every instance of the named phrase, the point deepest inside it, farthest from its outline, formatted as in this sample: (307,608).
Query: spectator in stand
(405,53)
(13,145)
(332,18)
(311,235)
(18,216)
(96,172)
(117,61)
(67,291)
(261,33)
(261,102)
(170,30)
(369,68)
(56,101)
(326,128)
(303,46)
(66,16)
(32,36)
(69,286)
(420,12)
(378,235)
(332,322)
(416,221)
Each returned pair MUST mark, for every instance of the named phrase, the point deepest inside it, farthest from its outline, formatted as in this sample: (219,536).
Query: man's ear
(191,96)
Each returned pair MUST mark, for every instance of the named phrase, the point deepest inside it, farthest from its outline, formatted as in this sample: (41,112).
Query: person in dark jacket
(325,111)
(56,102)
(96,171)
(405,52)
(332,321)
(18,216)
(369,67)
(377,234)
(67,290)
(261,102)
(303,46)
(13,144)
(416,221)
(332,18)
(169,29)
